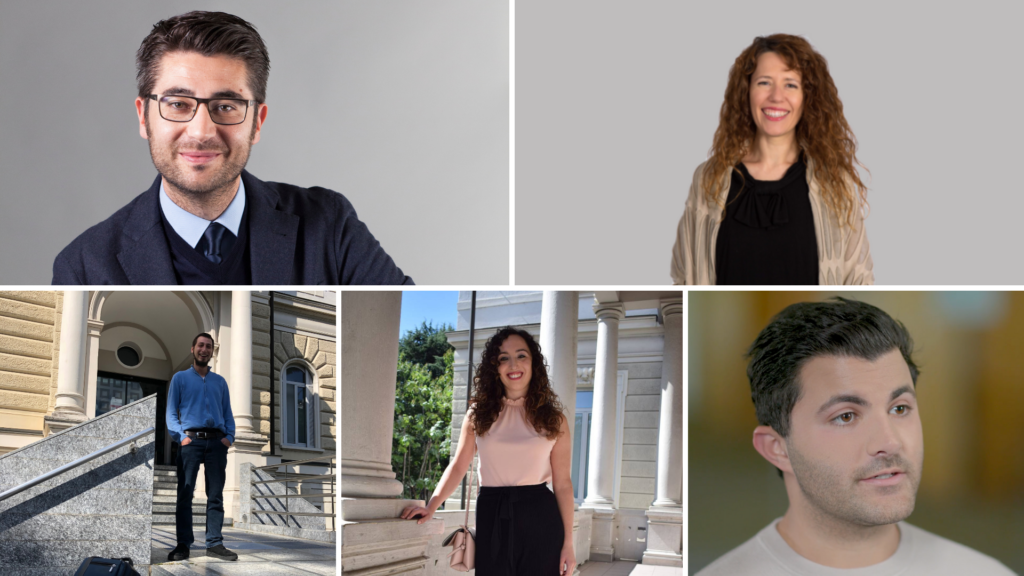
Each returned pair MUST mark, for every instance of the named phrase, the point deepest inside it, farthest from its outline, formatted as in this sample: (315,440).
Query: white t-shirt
(919,553)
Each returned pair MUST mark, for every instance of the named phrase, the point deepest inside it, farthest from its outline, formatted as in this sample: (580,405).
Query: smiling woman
(779,201)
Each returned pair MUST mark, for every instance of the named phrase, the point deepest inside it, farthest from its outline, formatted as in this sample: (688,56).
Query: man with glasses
(202,81)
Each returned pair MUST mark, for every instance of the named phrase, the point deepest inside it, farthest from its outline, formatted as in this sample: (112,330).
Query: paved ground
(257,554)
(621,568)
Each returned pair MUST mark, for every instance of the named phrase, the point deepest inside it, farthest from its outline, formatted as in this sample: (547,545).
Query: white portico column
(249,443)
(373,540)
(559,335)
(241,364)
(665,516)
(601,469)
(69,408)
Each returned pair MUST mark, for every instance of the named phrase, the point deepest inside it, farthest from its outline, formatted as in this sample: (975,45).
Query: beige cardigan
(844,256)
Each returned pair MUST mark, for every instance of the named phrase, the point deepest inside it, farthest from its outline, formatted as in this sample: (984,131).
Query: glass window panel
(296,375)
(128,356)
(289,410)
(585,399)
(586,449)
(576,454)
(300,420)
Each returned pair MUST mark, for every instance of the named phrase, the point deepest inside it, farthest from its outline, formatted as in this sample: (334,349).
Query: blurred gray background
(617,103)
(416,136)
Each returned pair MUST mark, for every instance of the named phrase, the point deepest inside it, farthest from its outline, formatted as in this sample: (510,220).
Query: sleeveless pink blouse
(512,453)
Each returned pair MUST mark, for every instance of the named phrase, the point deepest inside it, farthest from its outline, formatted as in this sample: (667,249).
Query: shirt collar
(191,227)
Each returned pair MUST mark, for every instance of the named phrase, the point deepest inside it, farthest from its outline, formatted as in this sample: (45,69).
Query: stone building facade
(68,356)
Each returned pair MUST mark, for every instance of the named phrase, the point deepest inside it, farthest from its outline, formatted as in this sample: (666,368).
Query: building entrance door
(116,390)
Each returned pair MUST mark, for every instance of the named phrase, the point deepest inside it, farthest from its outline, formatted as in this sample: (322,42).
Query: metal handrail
(296,477)
(43,478)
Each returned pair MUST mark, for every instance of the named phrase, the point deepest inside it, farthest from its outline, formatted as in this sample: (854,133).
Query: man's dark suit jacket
(297,236)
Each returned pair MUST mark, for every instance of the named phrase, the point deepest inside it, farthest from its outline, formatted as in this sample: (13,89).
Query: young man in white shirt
(834,386)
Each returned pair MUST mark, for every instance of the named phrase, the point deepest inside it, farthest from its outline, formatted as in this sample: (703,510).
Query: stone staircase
(165,497)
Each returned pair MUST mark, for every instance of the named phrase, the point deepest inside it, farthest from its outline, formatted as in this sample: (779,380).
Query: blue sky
(419,306)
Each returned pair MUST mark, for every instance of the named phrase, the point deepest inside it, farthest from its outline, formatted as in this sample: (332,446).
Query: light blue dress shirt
(191,227)
(197,402)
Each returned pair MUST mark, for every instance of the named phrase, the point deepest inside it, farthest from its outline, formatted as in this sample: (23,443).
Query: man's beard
(164,161)
(198,362)
(830,491)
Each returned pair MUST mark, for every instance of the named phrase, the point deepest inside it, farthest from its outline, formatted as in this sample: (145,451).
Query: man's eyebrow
(181,91)
(840,398)
(901,391)
(227,94)
(178,91)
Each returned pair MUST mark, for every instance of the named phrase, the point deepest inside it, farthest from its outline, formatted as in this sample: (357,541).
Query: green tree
(426,345)
(423,415)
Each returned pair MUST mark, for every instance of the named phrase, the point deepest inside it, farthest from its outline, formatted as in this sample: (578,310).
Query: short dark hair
(210,34)
(202,335)
(837,327)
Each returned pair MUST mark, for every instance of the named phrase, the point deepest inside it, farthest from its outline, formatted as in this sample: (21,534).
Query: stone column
(241,364)
(601,467)
(248,445)
(69,408)
(665,516)
(559,336)
(373,540)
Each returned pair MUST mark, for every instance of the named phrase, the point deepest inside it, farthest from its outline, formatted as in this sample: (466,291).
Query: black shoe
(219,551)
(180,552)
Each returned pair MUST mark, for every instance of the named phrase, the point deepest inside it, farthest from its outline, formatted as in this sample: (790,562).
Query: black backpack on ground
(95,566)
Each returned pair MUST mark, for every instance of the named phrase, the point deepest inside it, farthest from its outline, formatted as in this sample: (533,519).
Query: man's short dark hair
(837,327)
(202,335)
(210,34)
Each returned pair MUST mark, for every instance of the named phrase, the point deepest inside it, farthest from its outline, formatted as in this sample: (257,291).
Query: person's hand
(411,512)
(225,442)
(567,560)
(186,440)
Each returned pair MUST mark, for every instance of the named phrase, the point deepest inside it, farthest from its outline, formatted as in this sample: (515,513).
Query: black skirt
(519,531)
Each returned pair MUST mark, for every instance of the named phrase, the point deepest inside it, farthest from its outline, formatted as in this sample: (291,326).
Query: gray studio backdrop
(617,104)
(415,131)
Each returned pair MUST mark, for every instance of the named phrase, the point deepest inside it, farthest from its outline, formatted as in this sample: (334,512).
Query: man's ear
(140,108)
(772,446)
(261,117)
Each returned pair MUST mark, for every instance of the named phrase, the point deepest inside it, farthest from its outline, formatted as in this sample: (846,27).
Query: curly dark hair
(823,135)
(543,410)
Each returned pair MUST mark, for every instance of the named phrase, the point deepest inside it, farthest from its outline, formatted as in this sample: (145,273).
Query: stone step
(165,474)
(164,519)
(175,570)
(165,492)
(197,509)
(165,485)
(174,500)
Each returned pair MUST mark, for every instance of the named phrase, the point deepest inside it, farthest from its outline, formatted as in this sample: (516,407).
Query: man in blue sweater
(199,417)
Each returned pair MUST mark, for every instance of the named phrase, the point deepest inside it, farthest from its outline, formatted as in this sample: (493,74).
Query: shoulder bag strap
(465,521)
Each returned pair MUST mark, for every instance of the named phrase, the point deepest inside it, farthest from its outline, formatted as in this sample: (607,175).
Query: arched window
(301,407)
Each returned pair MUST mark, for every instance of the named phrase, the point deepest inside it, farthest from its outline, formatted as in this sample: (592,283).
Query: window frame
(289,415)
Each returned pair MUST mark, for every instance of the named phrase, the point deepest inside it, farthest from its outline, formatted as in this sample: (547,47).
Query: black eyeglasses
(224,111)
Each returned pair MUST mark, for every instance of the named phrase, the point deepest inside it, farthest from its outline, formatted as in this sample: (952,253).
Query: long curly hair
(543,410)
(822,134)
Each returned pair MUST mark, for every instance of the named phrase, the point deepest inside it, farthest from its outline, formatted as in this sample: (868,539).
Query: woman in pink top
(516,422)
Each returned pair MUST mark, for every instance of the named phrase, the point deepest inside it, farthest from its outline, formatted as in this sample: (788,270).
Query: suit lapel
(145,255)
(272,235)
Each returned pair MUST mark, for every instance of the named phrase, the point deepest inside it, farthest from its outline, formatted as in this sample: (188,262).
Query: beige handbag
(463,539)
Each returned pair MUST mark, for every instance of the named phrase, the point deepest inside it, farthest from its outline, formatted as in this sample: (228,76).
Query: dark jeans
(213,455)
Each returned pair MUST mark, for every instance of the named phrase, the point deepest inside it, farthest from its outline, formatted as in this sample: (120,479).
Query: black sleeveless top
(767,233)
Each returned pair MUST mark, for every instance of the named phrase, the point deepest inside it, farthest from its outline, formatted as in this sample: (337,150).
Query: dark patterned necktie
(216,242)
